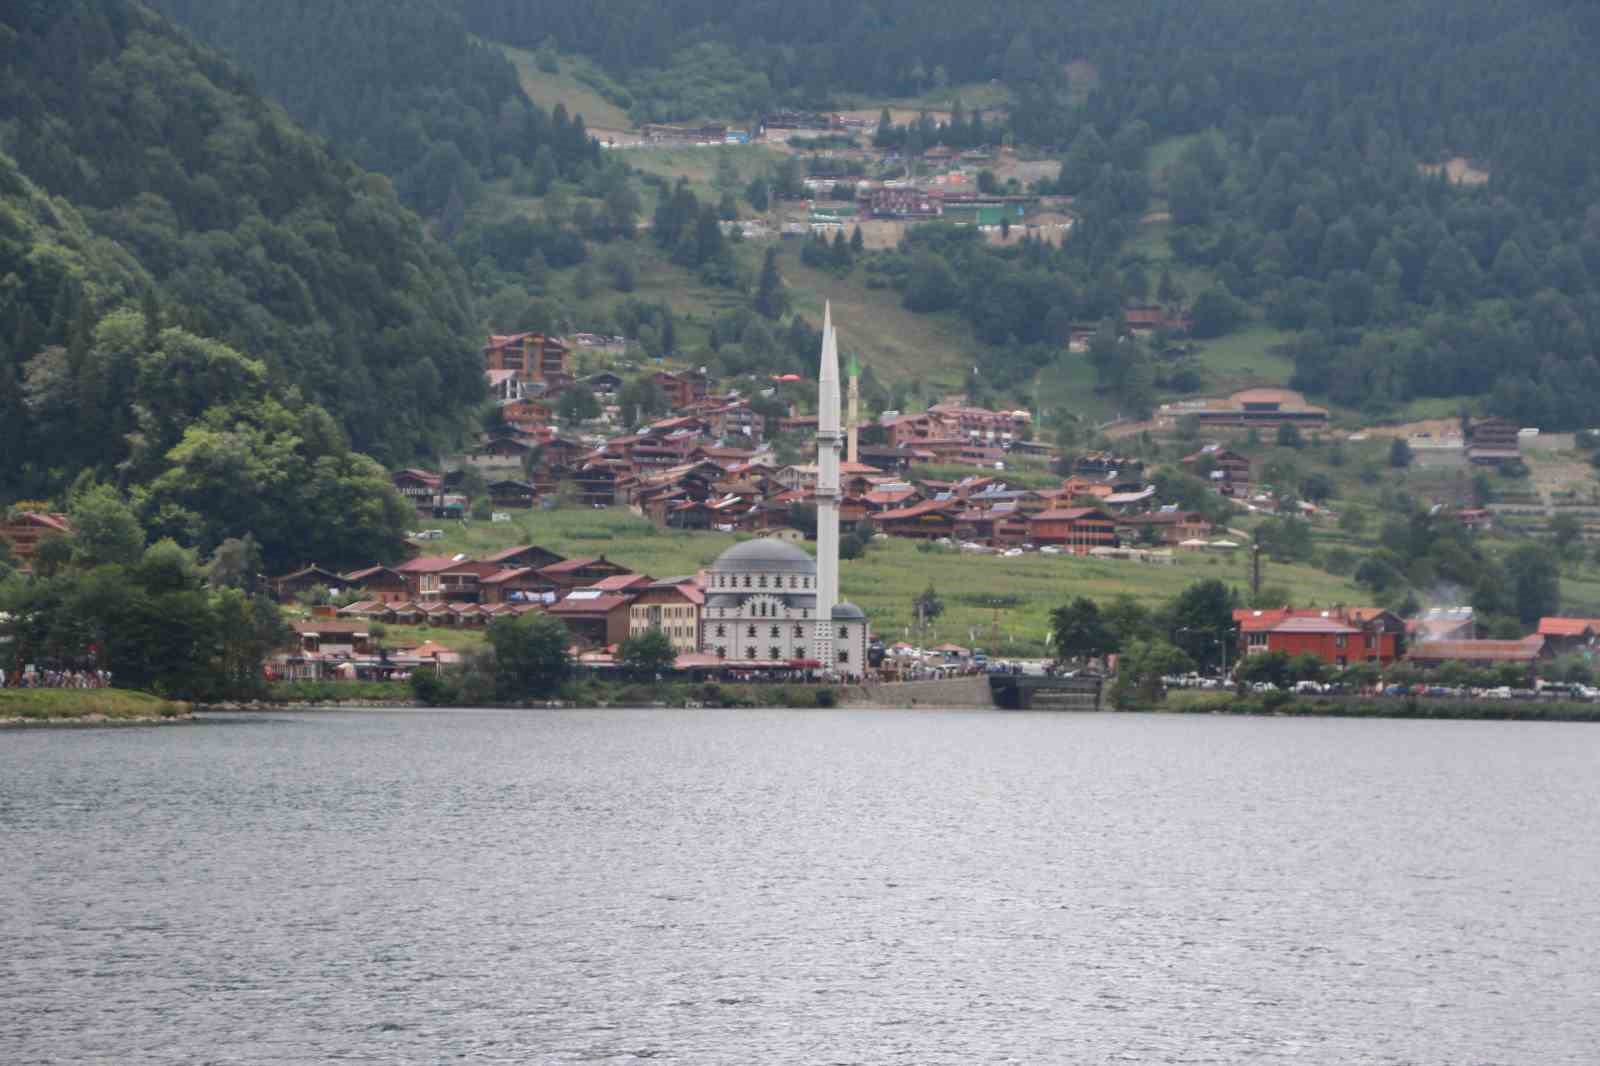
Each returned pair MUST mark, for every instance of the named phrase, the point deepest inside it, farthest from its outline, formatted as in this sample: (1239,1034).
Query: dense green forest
(1305,190)
(400,86)
(195,296)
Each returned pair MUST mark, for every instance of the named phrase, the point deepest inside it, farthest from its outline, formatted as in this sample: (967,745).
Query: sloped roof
(1524,650)
(1567,627)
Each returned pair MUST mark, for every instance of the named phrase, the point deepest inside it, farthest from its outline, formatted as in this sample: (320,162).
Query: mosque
(769,602)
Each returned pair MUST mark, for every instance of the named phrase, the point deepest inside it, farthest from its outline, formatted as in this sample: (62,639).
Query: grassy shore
(86,705)
(1358,707)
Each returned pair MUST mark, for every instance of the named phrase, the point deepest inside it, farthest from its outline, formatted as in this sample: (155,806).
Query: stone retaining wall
(966,693)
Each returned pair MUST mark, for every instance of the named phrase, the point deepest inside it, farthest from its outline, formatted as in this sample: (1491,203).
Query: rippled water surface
(844,887)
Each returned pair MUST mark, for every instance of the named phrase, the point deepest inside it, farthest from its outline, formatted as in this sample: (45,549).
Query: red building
(1339,637)
(532,356)
(27,530)
(1077,529)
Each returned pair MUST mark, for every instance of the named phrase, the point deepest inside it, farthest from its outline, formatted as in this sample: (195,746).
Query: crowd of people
(32,678)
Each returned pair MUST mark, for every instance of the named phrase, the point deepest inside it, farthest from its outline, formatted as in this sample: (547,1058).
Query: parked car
(1049,549)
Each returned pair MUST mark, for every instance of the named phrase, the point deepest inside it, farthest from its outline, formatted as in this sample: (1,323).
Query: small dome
(848,612)
(765,555)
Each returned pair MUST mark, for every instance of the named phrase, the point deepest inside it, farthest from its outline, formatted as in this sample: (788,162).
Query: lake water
(749,888)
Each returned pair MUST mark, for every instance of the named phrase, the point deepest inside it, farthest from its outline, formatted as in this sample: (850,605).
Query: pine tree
(771,300)
(857,244)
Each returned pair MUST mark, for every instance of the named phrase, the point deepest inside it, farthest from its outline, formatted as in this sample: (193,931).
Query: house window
(1338,641)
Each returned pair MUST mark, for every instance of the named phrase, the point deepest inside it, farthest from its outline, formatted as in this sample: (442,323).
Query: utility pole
(1255,565)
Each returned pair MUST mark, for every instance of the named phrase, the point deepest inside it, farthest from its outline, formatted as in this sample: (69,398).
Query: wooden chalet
(582,573)
(1074,529)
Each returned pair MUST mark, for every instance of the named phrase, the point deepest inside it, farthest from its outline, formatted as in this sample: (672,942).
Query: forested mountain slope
(251,231)
(1299,180)
(398,84)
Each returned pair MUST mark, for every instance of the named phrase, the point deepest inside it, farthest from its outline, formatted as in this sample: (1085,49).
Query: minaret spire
(830,439)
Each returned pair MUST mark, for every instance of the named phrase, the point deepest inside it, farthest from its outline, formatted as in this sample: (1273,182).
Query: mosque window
(751,632)
(844,632)
(747,581)
(750,653)
(762,581)
(722,651)
(799,633)
(844,655)
(777,652)
(722,631)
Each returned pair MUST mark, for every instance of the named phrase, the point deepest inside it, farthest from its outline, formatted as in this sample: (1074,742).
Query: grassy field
(699,165)
(897,344)
(566,88)
(71,704)
(979,591)
(1242,358)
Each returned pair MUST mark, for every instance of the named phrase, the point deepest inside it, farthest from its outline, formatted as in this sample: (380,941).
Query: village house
(380,583)
(1263,408)
(1074,529)
(1225,469)
(1143,321)
(419,487)
(1443,623)
(1564,636)
(582,573)
(682,389)
(1164,527)
(1525,653)
(673,607)
(303,580)
(1340,637)
(516,584)
(510,494)
(1494,442)
(533,357)
(927,520)
(596,619)
(26,530)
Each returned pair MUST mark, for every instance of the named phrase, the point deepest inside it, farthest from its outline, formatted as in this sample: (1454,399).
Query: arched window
(844,632)
(774,633)
(750,653)
(799,632)
(722,651)
(844,655)
(747,581)
(722,631)
(777,652)
(751,632)
(762,581)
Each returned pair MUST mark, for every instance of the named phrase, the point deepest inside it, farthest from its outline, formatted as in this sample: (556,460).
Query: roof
(589,601)
(619,582)
(768,554)
(1567,627)
(428,564)
(848,611)
(917,510)
(1313,624)
(1067,514)
(331,628)
(567,566)
(1524,650)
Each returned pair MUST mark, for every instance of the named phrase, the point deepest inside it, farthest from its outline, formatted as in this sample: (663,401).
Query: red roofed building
(1075,529)
(1525,652)
(533,356)
(928,520)
(1339,637)
(28,529)
(1569,634)
(595,618)
(582,573)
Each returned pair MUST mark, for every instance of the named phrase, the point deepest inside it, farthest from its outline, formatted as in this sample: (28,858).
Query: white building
(761,608)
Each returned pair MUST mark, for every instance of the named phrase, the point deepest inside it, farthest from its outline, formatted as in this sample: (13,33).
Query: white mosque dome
(765,556)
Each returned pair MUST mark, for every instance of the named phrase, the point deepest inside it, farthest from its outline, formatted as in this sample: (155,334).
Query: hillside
(251,232)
